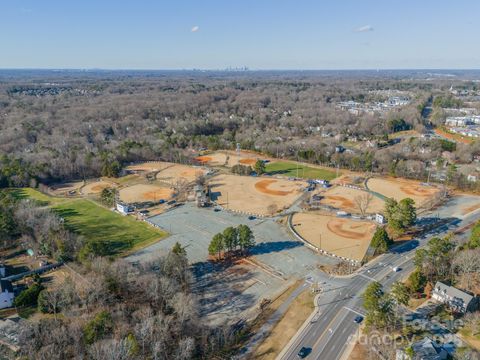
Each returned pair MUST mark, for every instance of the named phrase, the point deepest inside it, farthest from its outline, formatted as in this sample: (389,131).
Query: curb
(301,329)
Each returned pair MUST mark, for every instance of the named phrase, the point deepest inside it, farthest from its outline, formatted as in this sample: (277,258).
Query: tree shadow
(274,246)
(220,287)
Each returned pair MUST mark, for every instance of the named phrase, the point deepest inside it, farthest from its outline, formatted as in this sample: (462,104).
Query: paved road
(329,336)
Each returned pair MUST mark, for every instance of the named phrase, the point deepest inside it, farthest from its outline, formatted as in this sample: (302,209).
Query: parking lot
(233,290)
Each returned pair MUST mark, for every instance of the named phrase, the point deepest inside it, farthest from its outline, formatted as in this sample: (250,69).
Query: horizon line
(233,69)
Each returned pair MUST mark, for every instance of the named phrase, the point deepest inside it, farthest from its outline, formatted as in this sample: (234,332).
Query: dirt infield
(96,187)
(65,188)
(229,159)
(144,192)
(344,198)
(254,195)
(204,159)
(174,172)
(341,236)
(148,166)
(267,186)
(400,189)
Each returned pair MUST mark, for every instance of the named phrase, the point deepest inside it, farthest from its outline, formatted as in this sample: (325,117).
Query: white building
(6,294)
(455,299)
(124,209)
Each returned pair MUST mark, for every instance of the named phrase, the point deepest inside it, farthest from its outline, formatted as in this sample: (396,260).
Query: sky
(258,34)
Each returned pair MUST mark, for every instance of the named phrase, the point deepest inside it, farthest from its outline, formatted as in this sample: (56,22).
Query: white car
(396,269)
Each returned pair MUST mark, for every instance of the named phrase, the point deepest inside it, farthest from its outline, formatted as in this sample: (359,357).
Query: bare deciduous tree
(363,202)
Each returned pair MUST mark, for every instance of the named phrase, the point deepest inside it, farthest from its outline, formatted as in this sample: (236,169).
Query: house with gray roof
(455,299)
(6,294)
(425,349)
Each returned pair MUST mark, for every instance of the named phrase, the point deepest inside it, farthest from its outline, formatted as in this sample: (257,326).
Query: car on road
(217,209)
(396,269)
(358,319)
(304,352)
(251,217)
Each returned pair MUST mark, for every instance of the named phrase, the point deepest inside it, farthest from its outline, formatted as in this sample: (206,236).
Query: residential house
(455,299)
(425,349)
(472,178)
(6,294)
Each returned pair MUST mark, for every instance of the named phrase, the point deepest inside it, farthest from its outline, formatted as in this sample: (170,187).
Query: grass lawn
(41,198)
(289,169)
(121,234)
(298,311)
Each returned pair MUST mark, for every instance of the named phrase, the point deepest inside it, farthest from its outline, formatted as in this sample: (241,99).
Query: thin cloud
(365,28)
(195,29)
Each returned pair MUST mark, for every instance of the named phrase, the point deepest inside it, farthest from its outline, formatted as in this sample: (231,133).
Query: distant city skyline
(258,34)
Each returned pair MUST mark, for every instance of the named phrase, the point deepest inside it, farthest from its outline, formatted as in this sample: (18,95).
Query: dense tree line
(111,121)
(118,311)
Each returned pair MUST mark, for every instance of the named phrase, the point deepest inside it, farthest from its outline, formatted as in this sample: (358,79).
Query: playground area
(344,237)
(254,195)
(350,200)
(144,192)
(401,188)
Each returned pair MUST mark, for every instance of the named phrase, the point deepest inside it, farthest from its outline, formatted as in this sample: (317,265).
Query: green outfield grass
(41,198)
(116,234)
(289,169)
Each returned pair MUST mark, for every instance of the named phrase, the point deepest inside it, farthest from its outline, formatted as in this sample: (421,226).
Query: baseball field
(347,199)
(254,195)
(344,237)
(401,188)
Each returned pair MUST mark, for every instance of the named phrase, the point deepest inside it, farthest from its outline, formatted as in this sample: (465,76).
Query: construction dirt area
(400,189)
(343,237)
(229,159)
(96,187)
(261,196)
(347,199)
(144,193)
(66,189)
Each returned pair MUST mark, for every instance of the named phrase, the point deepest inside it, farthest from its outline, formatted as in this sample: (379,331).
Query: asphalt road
(329,335)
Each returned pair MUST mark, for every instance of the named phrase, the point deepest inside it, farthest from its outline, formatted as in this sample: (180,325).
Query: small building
(425,349)
(472,178)
(124,209)
(6,294)
(379,218)
(457,300)
(202,195)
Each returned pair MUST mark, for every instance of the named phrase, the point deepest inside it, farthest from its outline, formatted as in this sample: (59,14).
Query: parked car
(251,217)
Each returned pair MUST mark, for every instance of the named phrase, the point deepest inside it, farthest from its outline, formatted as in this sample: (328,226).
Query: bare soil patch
(96,187)
(264,187)
(341,236)
(344,198)
(174,172)
(401,188)
(144,192)
(254,195)
(65,188)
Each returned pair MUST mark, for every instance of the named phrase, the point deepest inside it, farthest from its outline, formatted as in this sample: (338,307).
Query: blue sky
(260,34)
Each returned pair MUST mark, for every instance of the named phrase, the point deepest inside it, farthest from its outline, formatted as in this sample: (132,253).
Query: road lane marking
(354,311)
